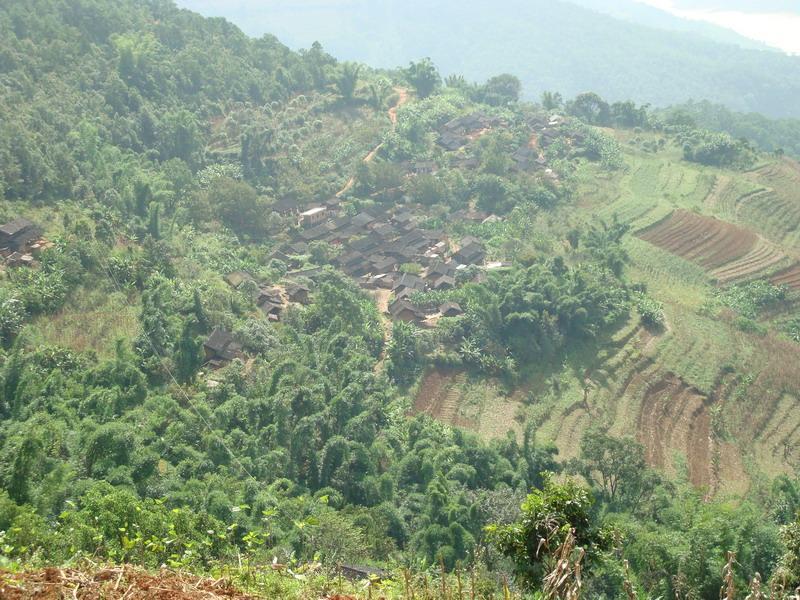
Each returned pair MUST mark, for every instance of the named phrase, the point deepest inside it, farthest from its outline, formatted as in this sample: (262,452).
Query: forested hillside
(549,45)
(280,320)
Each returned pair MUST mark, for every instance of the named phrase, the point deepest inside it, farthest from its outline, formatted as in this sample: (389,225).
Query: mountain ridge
(620,60)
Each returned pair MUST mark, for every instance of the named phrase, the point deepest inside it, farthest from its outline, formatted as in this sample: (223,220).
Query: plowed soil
(113,584)
(706,241)
(789,277)
(675,418)
(439,396)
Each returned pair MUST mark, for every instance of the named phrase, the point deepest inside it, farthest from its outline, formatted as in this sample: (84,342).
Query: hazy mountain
(650,16)
(549,44)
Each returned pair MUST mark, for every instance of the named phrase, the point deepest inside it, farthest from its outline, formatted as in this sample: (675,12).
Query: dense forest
(158,151)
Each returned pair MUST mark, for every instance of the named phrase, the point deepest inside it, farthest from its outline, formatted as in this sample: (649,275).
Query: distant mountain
(643,14)
(549,44)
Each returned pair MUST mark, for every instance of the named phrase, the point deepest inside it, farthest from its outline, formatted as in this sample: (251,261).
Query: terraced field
(789,277)
(728,252)
(675,417)
(763,257)
(482,406)
(766,199)
(439,396)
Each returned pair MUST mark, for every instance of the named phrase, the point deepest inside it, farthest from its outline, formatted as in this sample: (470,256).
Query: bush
(651,311)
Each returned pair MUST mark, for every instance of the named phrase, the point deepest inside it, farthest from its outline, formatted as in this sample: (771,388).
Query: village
(385,248)
(375,248)
(388,249)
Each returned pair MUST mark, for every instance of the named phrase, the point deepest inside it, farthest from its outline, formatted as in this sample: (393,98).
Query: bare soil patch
(706,241)
(113,583)
(675,417)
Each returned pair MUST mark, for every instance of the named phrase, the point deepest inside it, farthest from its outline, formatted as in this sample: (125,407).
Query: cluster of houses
(545,130)
(221,347)
(271,300)
(457,133)
(20,241)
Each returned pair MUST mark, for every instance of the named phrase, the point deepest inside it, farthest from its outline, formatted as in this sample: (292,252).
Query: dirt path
(402,98)
(382,300)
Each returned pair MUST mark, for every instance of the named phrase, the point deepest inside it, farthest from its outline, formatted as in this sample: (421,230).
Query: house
(451,309)
(445,282)
(298,248)
(309,273)
(385,231)
(525,158)
(439,269)
(340,223)
(423,167)
(315,233)
(400,252)
(358,573)
(403,310)
(237,278)
(298,293)
(286,206)
(269,301)
(469,215)
(362,220)
(452,141)
(271,308)
(17,259)
(471,254)
(313,216)
(383,264)
(366,243)
(221,347)
(17,234)
(409,281)
(333,203)
(404,219)
(467,163)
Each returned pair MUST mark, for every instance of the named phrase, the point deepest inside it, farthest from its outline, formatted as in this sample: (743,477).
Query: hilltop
(281,321)
(549,44)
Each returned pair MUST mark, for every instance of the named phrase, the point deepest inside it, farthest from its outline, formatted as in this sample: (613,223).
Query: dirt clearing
(114,584)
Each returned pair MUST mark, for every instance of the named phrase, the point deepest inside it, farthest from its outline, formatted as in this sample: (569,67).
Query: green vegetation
(184,381)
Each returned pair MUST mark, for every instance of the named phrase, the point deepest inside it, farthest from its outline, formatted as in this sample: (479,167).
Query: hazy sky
(776,23)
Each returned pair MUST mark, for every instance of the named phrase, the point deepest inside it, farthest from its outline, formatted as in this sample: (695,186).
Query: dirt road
(402,98)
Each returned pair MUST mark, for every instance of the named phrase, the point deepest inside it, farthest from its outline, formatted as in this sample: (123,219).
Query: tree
(12,317)
(424,77)
(199,312)
(154,225)
(189,353)
(790,563)
(428,189)
(347,80)
(591,108)
(616,466)
(500,90)
(403,352)
(549,517)
(552,100)
(239,206)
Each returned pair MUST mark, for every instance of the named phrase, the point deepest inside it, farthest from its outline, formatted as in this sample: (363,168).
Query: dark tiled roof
(16,226)
(222,344)
(399,306)
(452,308)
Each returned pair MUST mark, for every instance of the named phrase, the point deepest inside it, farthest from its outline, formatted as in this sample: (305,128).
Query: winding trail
(402,98)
